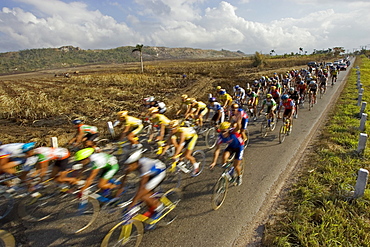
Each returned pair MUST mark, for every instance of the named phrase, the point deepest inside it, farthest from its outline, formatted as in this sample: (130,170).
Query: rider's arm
(215,155)
(180,144)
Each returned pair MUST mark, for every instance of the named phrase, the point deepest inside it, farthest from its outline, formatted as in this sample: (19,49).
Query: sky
(236,25)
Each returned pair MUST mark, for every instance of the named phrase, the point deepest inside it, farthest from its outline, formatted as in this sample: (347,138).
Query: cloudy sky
(246,25)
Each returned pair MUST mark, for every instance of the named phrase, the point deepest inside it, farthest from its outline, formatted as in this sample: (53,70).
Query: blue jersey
(234,140)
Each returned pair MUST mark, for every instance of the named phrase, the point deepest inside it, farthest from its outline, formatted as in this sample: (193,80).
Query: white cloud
(184,23)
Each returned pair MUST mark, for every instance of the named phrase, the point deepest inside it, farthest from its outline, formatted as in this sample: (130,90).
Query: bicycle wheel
(124,235)
(200,157)
(264,128)
(75,217)
(211,138)
(6,239)
(170,199)
(40,205)
(172,180)
(6,204)
(282,133)
(219,192)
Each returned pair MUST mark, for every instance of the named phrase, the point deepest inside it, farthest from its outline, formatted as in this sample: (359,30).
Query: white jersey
(150,167)
(240,92)
(11,150)
(216,107)
(102,160)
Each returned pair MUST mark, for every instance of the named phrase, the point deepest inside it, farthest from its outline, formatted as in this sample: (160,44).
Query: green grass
(318,209)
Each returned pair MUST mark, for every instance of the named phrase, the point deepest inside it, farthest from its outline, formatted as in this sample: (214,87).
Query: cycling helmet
(225,125)
(84,153)
(237,87)
(213,99)
(235,106)
(248,90)
(122,114)
(153,110)
(291,89)
(273,87)
(192,100)
(218,87)
(301,82)
(285,96)
(28,146)
(133,157)
(149,99)
(174,123)
(77,121)
(222,92)
(269,96)
(184,96)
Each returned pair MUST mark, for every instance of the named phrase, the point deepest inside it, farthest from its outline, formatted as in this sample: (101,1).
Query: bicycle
(6,239)
(267,125)
(221,187)
(310,100)
(285,129)
(211,137)
(131,229)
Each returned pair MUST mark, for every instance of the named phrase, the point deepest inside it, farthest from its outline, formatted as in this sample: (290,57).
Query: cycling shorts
(62,164)
(222,118)
(109,173)
(137,130)
(271,108)
(91,137)
(203,112)
(190,144)
(287,112)
(238,152)
(155,180)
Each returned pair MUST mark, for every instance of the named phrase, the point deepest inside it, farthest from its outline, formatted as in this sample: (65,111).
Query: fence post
(363,121)
(363,107)
(361,183)
(361,143)
(359,99)
(54,142)
(361,90)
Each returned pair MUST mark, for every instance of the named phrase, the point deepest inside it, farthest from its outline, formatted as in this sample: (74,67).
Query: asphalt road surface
(267,165)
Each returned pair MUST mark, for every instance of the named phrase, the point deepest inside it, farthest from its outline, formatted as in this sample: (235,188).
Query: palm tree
(300,50)
(139,48)
(272,52)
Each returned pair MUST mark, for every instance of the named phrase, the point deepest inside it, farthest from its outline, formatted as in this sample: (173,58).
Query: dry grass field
(38,105)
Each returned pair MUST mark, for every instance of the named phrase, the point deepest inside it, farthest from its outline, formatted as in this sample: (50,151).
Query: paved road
(267,163)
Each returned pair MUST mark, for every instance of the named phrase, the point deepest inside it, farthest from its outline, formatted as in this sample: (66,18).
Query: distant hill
(68,56)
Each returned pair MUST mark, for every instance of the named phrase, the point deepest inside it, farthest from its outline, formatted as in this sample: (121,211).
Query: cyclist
(239,120)
(152,173)
(288,108)
(294,95)
(252,102)
(184,103)
(226,100)
(85,134)
(183,138)
(219,115)
(334,75)
(150,102)
(198,110)
(60,155)
(161,120)
(15,154)
(104,162)
(132,127)
(323,83)
(312,88)
(239,94)
(271,106)
(286,83)
(301,87)
(235,145)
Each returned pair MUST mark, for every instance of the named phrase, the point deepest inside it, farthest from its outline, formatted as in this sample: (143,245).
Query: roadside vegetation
(318,210)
